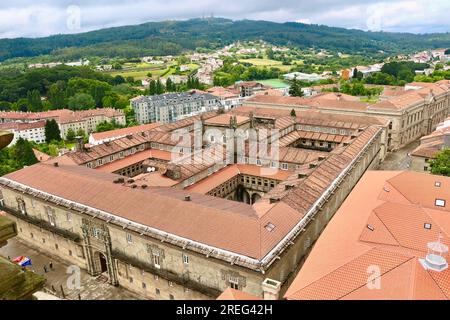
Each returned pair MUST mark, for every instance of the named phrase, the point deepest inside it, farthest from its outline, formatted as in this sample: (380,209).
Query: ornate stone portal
(98,250)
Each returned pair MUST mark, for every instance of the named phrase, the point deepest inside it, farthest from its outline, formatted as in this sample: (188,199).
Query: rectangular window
(284,166)
(185,259)
(69,216)
(129,238)
(51,216)
(234,283)
(156,260)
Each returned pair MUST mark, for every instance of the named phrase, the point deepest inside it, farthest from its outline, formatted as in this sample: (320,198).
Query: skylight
(370,227)
(440,203)
(269,227)
(427,226)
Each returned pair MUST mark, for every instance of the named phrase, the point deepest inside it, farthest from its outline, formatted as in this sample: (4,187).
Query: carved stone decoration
(229,276)
(98,249)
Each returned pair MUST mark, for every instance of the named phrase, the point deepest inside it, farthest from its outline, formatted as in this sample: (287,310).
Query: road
(91,288)
(400,159)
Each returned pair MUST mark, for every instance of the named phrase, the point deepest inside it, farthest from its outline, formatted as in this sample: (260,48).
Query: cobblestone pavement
(400,159)
(91,288)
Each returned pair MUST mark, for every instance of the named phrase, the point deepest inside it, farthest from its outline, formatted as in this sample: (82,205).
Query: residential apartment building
(86,120)
(32,131)
(170,107)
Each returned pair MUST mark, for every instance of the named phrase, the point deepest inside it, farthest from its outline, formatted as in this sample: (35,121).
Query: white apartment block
(33,131)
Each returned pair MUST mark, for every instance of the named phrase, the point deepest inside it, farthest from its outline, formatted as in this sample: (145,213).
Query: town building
(170,107)
(229,98)
(86,120)
(430,146)
(188,221)
(248,88)
(388,241)
(31,131)
(413,111)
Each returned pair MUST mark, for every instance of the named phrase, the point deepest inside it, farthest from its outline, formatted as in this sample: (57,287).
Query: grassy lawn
(274,83)
(369,99)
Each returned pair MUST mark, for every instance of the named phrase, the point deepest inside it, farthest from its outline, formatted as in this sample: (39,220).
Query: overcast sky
(45,17)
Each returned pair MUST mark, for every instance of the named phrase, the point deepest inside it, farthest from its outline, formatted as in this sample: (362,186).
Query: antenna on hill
(434,259)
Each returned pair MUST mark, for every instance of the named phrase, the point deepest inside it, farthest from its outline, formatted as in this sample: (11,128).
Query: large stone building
(413,111)
(170,107)
(183,229)
(86,120)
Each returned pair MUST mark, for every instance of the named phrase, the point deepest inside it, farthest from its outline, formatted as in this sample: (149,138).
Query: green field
(139,71)
(262,62)
(274,83)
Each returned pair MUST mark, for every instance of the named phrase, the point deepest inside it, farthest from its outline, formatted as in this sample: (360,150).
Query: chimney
(79,147)
(271,289)
(274,200)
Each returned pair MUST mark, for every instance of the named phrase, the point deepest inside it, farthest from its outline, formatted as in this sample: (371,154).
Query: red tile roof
(395,205)
(118,133)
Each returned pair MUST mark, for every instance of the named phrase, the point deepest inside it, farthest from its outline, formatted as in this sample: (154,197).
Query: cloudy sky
(30,18)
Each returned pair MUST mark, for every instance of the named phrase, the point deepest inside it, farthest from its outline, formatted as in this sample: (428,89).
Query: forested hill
(171,37)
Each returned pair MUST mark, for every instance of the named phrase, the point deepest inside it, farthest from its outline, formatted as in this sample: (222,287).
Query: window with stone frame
(21,206)
(156,255)
(233,282)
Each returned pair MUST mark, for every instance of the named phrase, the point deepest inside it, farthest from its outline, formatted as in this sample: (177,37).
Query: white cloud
(29,18)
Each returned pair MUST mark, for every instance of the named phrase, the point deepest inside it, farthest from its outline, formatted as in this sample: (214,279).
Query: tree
(270,53)
(34,101)
(296,90)
(159,87)
(22,152)
(107,126)
(170,86)
(52,132)
(441,165)
(57,95)
(293,114)
(81,101)
(70,136)
(447,51)
(152,88)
